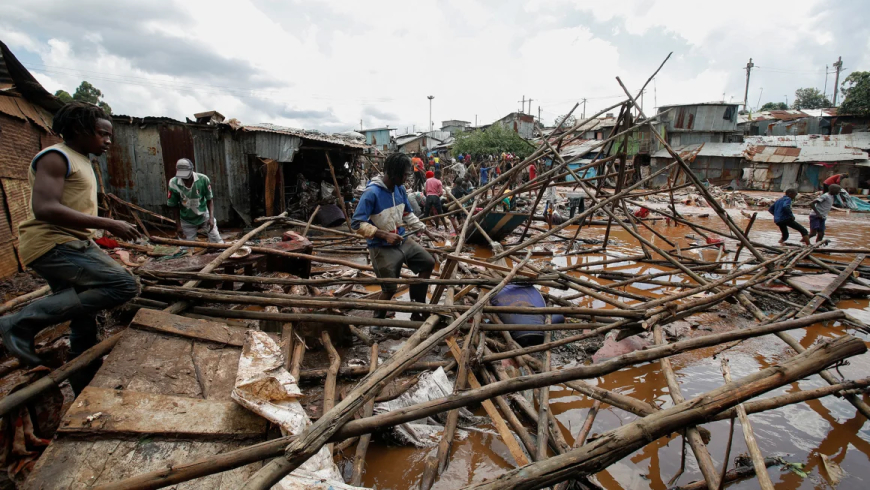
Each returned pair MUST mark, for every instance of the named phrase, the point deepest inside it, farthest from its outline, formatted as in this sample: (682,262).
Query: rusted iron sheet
(8,257)
(10,108)
(133,167)
(208,150)
(36,114)
(19,142)
(176,142)
(17,193)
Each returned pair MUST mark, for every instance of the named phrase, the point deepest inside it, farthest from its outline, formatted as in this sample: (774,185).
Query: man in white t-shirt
(822,205)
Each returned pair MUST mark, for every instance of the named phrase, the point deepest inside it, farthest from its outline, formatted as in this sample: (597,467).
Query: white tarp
(425,432)
(267,389)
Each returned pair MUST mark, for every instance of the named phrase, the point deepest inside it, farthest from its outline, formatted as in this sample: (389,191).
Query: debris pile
(330,372)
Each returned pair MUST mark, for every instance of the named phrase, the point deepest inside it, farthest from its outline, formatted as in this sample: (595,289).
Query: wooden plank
(500,425)
(78,463)
(100,410)
(825,295)
(818,282)
(162,321)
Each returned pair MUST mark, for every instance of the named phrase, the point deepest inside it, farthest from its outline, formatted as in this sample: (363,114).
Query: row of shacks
(769,151)
(255,170)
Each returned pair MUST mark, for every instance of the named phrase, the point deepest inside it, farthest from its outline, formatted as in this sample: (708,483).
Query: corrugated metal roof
(852,140)
(308,135)
(756,152)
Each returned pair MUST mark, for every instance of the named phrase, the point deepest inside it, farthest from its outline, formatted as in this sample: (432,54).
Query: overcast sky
(330,64)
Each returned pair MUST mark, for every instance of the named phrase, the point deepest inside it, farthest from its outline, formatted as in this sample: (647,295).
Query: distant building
(522,124)
(418,143)
(454,126)
(379,138)
(708,122)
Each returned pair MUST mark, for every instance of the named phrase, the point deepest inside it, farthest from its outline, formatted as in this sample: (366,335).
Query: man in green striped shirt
(191,200)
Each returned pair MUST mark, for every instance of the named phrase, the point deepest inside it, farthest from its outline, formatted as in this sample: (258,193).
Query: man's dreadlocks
(395,165)
(77,118)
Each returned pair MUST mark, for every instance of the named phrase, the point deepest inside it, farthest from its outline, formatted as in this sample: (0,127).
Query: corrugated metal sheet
(133,167)
(36,114)
(208,150)
(17,194)
(175,143)
(8,257)
(704,117)
(854,140)
(276,146)
(752,151)
(10,108)
(308,135)
(236,164)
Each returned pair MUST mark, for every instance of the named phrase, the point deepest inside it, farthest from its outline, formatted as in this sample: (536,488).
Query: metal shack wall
(702,118)
(211,160)
(133,167)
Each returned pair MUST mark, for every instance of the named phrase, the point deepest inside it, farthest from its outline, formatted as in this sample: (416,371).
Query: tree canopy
(810,98)
(774,106)
(85,93)
(856,94)
(493,140)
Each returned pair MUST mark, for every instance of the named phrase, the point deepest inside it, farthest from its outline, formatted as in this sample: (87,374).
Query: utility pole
(523,102)
(584,108)
(530,105)
(746,92)
(539,114)
(430,97)
(475,120)
(825,92)
(360,124)
(839,66)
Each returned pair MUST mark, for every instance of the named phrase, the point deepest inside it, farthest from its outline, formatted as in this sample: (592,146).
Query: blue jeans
(84,280)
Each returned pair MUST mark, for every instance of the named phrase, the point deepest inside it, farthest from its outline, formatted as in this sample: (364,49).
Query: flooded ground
(799,433)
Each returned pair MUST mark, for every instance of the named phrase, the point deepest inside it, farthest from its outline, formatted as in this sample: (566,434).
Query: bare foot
(805,240)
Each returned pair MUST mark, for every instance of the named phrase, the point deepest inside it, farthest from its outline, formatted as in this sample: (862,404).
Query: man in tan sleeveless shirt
(56,239)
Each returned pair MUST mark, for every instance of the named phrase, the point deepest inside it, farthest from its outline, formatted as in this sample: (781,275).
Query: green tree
(85,93)
(494,139)
(64,96)
(774,106)
(856,94)
(810,98)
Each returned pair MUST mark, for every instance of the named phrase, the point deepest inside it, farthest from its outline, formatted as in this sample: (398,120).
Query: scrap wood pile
(456,358)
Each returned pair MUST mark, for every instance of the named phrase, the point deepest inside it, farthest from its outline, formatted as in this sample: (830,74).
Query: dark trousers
(387,262)
(84,280)
(785,225)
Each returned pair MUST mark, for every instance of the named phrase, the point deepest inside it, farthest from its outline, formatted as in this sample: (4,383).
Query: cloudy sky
(331,64)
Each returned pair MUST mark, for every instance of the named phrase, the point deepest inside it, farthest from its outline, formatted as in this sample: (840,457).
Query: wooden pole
(331,375)
(310,220)
(24,298)
(317,435)
(359,460)
(337,191)
(702,455)
(180,306)
(751,444)
(258,452)
(618,443)
(17,398)
(543,408)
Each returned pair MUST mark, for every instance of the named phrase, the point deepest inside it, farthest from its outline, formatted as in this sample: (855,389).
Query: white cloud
(327,64)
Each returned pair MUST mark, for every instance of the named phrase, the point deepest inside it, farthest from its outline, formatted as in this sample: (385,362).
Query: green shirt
(193,201)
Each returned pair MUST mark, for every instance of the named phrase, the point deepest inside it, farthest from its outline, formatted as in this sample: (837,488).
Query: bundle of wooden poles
(461,317)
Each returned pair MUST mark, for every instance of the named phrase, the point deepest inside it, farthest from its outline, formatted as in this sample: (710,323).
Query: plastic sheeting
(424,432)
(267,389)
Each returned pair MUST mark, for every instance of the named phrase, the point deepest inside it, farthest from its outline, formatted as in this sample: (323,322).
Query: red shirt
(834,179)
(533,172)
(418,164)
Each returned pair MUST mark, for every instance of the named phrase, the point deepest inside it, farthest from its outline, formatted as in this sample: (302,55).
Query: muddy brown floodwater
(799,433)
